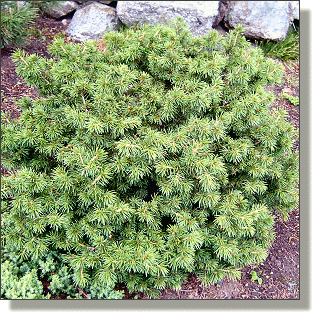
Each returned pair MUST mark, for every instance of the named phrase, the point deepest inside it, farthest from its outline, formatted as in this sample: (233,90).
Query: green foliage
(255,276)
(104,292)
(20,279)
(44,6)
(38,33)
(15,20)
(19,283)
(292,99)
(147,159)
(17,17)
(287,49)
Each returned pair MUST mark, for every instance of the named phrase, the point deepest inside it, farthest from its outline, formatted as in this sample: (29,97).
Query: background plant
(147,159)
(16,284)
(255,276)
(286,50)
(15,20)
(44,6)
(20,279)
(17,17)
(292,99)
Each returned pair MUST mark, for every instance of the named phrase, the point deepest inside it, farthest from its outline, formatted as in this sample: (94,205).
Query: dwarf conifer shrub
(148,157)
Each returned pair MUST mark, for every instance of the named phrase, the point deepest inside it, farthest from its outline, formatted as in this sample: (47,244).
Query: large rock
(61,9)
(221,13)
(104,2)
(200,15)
(295,9)
(91,21)
(261,19)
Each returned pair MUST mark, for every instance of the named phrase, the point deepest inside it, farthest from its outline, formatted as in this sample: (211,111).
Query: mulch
(280,271)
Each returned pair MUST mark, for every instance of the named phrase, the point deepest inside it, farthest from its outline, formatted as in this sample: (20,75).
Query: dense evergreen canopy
(147,159)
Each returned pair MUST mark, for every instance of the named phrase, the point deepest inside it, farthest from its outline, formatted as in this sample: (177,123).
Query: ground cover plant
(293,100)
(16,19)
(286,49)
(149,159)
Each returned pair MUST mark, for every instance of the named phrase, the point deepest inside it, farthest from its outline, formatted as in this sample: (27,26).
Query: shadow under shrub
(148,156)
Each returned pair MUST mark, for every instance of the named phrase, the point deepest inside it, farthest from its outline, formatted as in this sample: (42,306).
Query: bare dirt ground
(279,273)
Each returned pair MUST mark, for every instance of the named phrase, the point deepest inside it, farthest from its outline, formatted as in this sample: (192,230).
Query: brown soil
(279,273)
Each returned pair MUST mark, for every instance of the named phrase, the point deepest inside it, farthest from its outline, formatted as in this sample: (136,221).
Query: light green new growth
(147,158)
(292,99)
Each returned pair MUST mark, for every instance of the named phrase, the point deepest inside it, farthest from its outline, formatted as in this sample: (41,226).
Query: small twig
(83,293)
(186,290)
(97,179)
(235,40)
(63,49)
(141,38)
(293,238)
(25,62)
(84,101)
(81,159)
(217,123)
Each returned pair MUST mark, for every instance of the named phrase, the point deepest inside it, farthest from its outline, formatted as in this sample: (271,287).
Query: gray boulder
(200,15)
(295,9)
(91,21)
(261,19)
(61,9)
(88,2)
(221,13)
